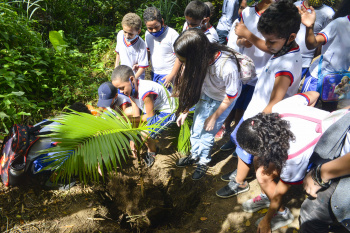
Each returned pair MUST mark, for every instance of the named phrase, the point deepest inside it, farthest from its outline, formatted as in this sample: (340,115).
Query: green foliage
(183,140)
(57,41)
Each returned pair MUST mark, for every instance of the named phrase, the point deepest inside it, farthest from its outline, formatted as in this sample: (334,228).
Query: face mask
(133,90)
(198,27)
(159,33)
(285,48)
(252,3)
(129,40)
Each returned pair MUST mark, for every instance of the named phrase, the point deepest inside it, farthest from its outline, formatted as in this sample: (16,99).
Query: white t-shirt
(251,17)
(229,14)
(228,84)
(211,33)
(307,132)
(324,15)
(133,53)
(289,64)
(162,100)
(162,50)
(121,100)
(336,49)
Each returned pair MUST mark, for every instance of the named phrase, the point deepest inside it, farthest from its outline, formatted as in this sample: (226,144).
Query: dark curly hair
(282,18)
(266,136)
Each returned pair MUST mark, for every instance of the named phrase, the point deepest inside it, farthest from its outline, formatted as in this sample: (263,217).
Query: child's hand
(241,30)
(308,19)
(135,67)
(168,78)
(181,119)
(209,123)
(310,186)
(244,43)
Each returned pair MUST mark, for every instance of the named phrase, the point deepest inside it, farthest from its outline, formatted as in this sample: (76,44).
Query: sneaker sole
(256,209)
(235,194)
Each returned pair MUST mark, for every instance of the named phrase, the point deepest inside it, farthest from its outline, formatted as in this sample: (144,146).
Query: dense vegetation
(56,52)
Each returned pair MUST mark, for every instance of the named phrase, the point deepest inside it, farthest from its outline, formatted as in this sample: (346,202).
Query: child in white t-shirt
(279,79)
(109,98)
(324,15)
(249,17)
(131,49)
(213,90)
(197,15)
(335,41)
(159,41)
(282,143)
(154,101)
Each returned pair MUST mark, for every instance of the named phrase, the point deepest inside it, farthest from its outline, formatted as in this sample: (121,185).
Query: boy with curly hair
(131,49)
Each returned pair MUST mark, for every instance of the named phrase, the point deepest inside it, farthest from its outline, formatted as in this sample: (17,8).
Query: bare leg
(242,171)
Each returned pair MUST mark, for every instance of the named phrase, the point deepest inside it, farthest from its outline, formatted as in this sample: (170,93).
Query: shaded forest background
(56,52)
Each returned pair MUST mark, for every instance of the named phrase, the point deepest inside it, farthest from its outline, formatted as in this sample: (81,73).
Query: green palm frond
(86,142)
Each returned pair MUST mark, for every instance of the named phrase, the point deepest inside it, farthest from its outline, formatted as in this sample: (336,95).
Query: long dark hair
(266,136)
(194,46)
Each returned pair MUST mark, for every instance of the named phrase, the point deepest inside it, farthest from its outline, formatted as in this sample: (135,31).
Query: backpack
(333,86)
(247,71)
(14,151)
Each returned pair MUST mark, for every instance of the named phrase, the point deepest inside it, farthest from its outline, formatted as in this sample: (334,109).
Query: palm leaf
(86,142)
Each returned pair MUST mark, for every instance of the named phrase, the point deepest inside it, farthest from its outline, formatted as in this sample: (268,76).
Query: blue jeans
(202,140)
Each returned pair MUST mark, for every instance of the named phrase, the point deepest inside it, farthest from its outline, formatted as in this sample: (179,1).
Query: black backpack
(14,151)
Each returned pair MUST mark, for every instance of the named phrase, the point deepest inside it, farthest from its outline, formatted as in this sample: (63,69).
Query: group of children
(275,128)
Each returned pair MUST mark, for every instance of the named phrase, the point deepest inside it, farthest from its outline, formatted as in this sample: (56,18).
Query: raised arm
(242,31)
(308,19)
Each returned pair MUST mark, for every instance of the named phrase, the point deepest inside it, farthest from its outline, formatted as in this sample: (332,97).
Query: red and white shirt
(222,78)
(162,100)
(336,49)
(289,65)
(132,53)
(324,15)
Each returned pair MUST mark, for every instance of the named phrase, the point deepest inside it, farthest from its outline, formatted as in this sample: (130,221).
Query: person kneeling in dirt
(152,98)
(282,143)
(109,98)
(36,161)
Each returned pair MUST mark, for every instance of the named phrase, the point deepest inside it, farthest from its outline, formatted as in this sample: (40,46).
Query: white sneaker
(255,204)
(279,220)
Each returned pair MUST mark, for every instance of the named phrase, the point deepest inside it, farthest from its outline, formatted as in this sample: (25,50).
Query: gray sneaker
(255,204)
(279,220)
(232,176)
